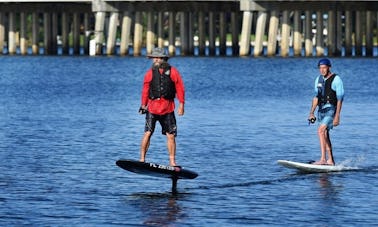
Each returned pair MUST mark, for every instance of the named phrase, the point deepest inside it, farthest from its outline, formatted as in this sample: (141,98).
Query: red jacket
(162,106)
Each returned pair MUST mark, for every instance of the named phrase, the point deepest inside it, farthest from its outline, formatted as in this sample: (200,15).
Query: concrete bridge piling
(202,28)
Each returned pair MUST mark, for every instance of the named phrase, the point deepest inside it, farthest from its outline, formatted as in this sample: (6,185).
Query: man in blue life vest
(329,94)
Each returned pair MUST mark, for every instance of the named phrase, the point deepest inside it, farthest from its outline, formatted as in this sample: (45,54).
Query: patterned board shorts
(326,116)
(167,122)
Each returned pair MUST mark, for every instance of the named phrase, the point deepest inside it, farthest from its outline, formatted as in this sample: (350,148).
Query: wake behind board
(156,170)
(312,168)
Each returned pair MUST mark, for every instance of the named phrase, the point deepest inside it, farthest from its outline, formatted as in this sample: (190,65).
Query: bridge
(205,28)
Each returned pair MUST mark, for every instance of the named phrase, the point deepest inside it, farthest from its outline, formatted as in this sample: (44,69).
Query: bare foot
(331,163)
(320,163)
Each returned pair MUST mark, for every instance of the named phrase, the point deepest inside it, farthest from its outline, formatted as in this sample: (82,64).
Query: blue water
(65,121)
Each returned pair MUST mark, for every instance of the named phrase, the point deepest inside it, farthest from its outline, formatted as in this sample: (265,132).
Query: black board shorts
(167,122)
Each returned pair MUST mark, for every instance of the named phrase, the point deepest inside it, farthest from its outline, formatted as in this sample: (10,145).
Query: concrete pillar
(76,33)
(211,33)
(222,33)
(12,33)
(358,34)
(160,30)
(319,34)
(235,31)
(245,39)
(54,32)
(297,39)
(308,34)
(201,33)
(369,33)
(87,34)
(2,33)
(138,34)
(339,33)
(348,33)
(184,33)
(112,33)
(260,32)
(125,33)
(172,34)
(35,33)
(285,34)
(23,32)
(190,34)
(65,33)
(150,42)
(331,45)
(272,34)
(47,33)
(99,31)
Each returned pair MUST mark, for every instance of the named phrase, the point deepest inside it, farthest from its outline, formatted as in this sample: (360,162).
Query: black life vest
(161,84)
(325,92)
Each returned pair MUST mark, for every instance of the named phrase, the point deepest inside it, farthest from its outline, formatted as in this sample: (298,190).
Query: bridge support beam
(99,31)
(171,34)
(272,34)
(297,30)
(160,29)
(125,33)
(2,33)
(23,37)
(211,33)
(201,33)
(285,39)
(359,33)
(369,33)
(111,39)
(222,33)
(348,33)
(12,33)
(235,30)
(76,33)
(35,33)
(150,37)
(245,39)
(308,34)
(65,33)
(319,34)
(260,32)
(331,45)
(138,34)
(47,33)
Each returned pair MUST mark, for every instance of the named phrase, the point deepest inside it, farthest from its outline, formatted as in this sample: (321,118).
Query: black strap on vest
(161,84)
(325,93)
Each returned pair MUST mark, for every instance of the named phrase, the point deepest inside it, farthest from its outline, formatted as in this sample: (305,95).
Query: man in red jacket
(162,83)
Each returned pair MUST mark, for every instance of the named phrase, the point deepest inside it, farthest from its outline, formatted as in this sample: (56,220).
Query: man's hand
(180,110)
(311,118)
(336,120)
(143,109)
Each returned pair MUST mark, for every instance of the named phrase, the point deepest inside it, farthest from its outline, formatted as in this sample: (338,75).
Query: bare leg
(322,132)
(144,145)
(330,160)
(171,145)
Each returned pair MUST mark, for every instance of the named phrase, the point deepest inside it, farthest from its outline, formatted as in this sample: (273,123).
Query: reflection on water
(328,190)
(158,209)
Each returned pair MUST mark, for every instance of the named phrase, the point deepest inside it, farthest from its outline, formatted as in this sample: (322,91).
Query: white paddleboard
(313,168)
